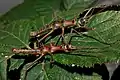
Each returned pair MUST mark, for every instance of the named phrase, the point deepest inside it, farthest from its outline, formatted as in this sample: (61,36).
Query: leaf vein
(16,38)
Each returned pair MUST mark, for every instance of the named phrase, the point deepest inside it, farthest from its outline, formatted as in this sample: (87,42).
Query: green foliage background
(16,24)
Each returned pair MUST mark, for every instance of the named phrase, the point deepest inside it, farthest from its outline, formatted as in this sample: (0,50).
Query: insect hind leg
(30,65)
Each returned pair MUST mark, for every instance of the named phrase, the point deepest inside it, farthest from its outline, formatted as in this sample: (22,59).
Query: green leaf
(55,73)
(100,46)
(17,24)
(3,67)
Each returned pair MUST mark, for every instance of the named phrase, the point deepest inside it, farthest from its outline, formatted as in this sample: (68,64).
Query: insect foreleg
(82,21)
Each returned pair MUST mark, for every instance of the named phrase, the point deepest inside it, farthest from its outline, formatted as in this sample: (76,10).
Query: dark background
(6,5)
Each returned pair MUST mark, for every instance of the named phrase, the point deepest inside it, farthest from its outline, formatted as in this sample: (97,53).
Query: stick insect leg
(73,36)
(51,60)
(62,35)
(45,36)
(82,21)
(58,40)
(78,33)
(88,13)
(43,65)
(30,65)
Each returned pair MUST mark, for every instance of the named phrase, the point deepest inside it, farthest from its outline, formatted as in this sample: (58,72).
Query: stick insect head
(81,21)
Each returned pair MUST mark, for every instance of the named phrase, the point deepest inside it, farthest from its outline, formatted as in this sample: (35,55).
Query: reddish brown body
(62,24)
(54,25)
(48,49)
(69,23)
(26,51)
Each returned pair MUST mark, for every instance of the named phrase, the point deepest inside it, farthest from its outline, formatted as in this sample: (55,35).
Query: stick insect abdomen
(47,28)
(26,51)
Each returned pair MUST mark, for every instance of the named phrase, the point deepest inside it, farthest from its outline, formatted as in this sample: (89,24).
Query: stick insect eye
(82,21)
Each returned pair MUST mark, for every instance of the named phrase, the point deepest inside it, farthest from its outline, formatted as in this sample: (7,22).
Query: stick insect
(60,24)
(46,49)
(63,24)
(88,13)
(76,22)
(43,51)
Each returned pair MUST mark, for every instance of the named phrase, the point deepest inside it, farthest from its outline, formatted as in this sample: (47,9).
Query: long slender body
(43,51)
(53,26)
(47,49)
(26,51)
